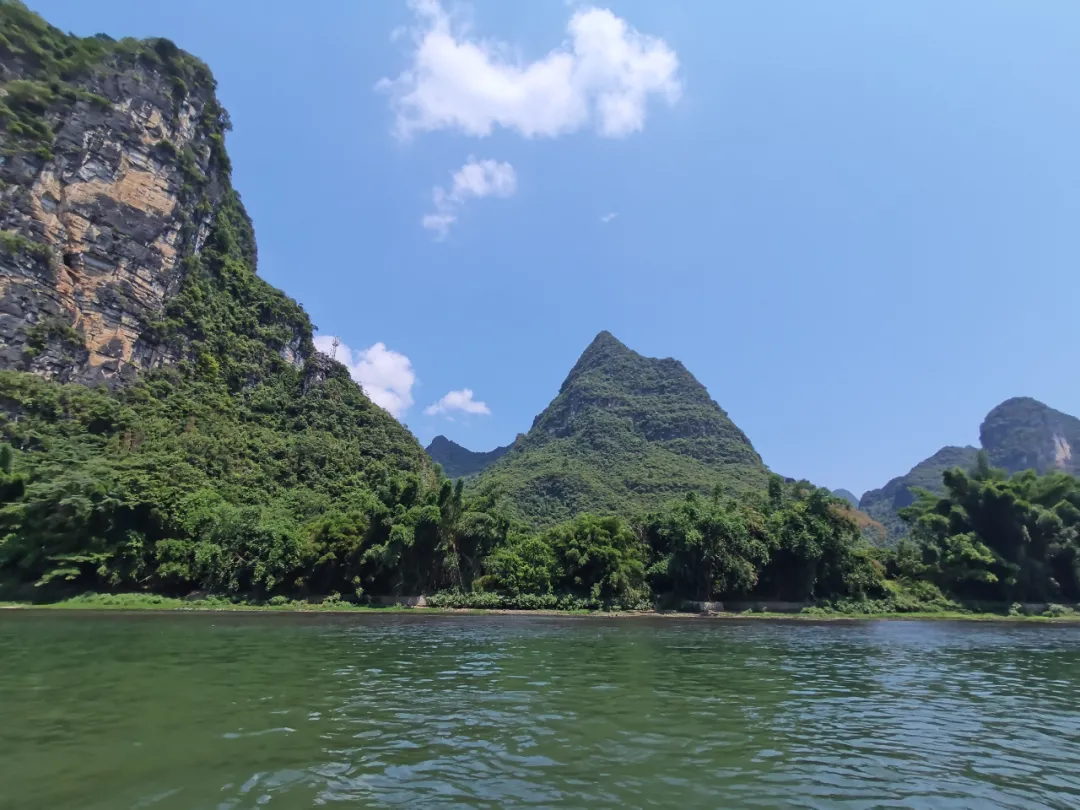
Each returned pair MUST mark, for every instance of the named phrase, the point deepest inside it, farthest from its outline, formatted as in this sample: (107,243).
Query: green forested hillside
(624,434)
(207,471)
(184,436)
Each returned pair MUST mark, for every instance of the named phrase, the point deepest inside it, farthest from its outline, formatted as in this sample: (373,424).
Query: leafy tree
(527,566)
(817,551)
(706,548)
(1001,538)
(598,557)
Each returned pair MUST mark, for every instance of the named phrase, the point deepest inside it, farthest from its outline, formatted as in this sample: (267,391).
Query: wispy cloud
(606,218)
(440,223)
(386,376)
(474,180)
(601,79)
(458,402)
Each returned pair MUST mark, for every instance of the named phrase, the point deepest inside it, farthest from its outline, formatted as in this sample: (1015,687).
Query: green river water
(168,711)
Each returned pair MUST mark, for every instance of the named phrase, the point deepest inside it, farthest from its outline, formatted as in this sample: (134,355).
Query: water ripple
(170,712)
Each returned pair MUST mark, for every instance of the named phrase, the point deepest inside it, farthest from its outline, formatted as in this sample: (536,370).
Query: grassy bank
(151,602)
(143,601)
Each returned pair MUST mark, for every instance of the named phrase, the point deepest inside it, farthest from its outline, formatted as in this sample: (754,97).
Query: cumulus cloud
(601,78)
(476,179)
(460,402)
(386,376)
(606,218)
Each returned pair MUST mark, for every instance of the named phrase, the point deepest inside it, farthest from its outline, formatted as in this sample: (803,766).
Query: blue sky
(856,223)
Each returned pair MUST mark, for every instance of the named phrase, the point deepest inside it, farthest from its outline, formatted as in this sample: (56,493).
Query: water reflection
(228,711)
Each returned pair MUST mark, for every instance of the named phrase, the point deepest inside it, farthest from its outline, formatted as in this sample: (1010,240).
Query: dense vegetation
(625,433)
(997,538)
(251,467)
(121,520)
(207,472)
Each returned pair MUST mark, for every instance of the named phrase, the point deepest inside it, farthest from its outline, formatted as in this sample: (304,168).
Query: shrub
(485,600)
(1058,611)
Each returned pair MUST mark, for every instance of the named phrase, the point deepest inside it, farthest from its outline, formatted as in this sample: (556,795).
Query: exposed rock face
(1023,433)
(319,367)
(111,213)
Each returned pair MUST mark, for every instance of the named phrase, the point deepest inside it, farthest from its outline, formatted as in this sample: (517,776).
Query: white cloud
(481,178)
(476,179)
(386,376)
(440,223)
(461,401)
(606,218)
(600,78)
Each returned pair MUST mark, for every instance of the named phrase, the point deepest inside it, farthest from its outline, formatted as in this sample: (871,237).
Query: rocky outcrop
(1023,433)
(319,366)
(96,223)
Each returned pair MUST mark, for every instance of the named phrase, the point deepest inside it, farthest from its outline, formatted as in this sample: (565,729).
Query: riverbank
(150,602)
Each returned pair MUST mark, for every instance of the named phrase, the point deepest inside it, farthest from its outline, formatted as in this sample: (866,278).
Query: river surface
(168,711)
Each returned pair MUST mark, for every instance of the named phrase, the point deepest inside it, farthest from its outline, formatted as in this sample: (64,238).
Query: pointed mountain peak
(605,351)
(624,432)
(605,341)
(605,346)
(441,441)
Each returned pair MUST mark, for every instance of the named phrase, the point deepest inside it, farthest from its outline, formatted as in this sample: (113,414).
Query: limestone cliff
(203,441)
(111,170)
(1023,433)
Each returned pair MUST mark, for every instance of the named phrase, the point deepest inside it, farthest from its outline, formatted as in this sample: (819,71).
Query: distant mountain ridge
(884,504)
(848,496)
(1019,434)
(625,433)
(460,462)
